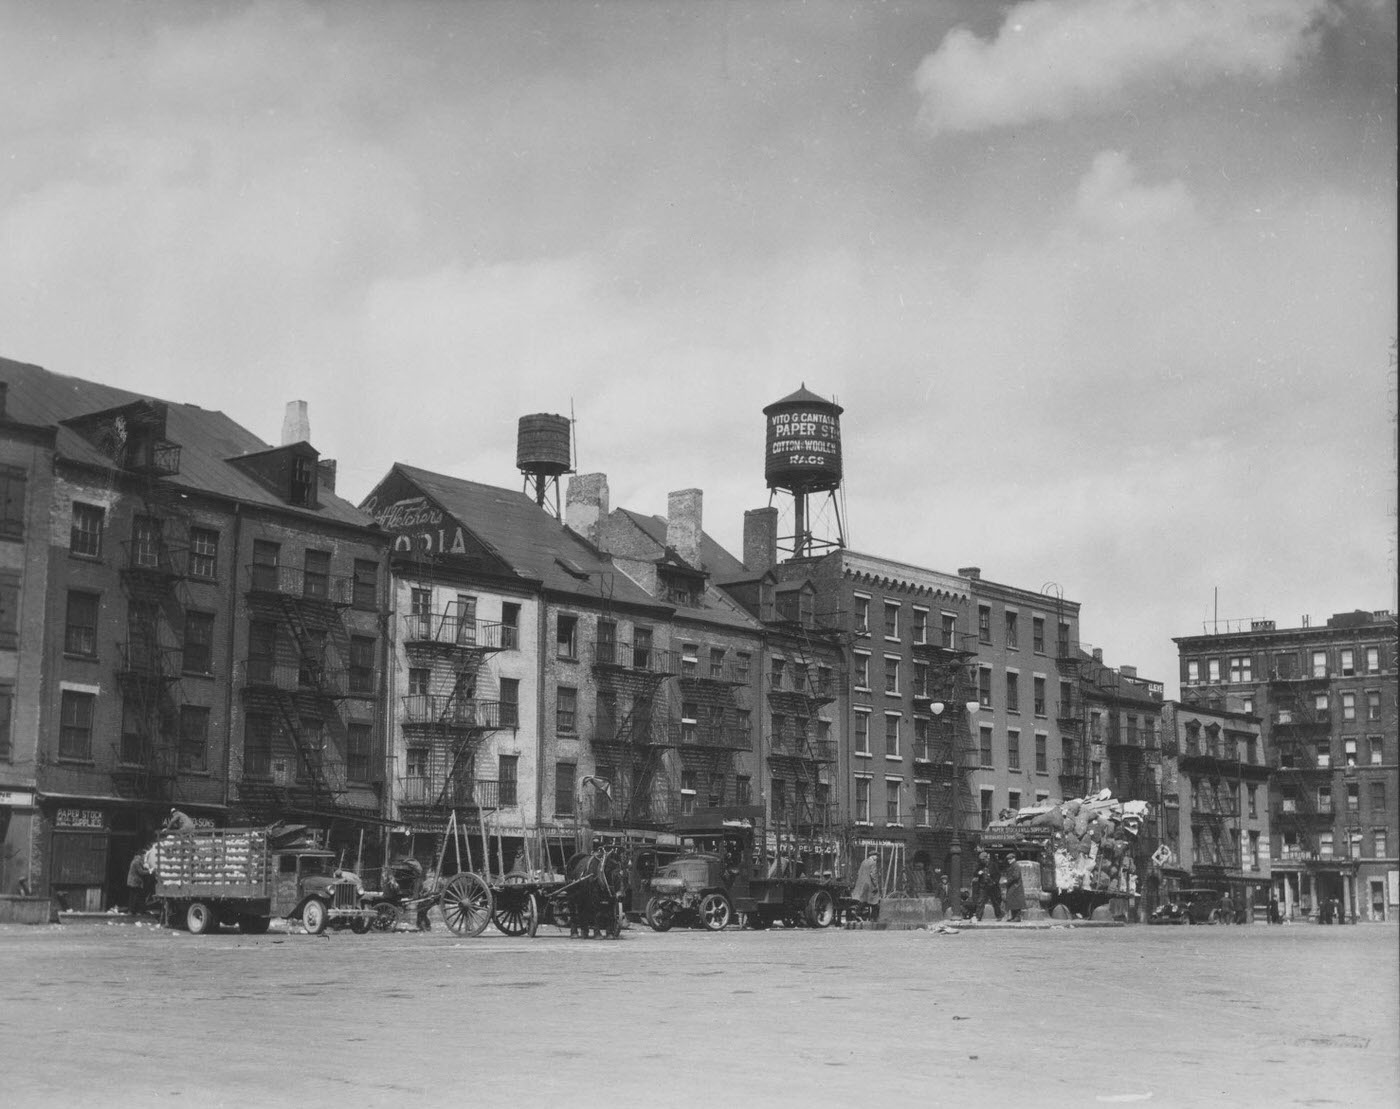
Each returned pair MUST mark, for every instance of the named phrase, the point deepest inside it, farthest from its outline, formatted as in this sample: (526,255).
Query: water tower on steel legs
(542,454)
(802,457)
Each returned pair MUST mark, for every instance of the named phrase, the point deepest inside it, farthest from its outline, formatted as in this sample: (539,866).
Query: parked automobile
(1192,906)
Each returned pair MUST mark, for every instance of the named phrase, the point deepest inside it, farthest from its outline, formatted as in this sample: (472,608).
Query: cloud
(1110,199)
(1052,59)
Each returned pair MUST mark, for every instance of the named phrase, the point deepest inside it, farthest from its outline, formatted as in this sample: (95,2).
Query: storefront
(16,836)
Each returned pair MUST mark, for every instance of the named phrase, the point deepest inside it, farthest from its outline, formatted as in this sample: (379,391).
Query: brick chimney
(760,539)
(296,424)
(684,513)
(1098,654)
(586,505)
(972,573)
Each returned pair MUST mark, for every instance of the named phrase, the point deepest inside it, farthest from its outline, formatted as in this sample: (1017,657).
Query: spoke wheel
(466,905)
(517,918)
(386,917)
(314,916)
(821,909)
(715,911)
(200,918)
(658,915)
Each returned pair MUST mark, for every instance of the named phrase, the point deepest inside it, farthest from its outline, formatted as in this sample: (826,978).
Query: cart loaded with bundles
(1084,848)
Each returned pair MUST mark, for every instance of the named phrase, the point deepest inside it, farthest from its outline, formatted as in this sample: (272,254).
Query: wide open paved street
(104,1015)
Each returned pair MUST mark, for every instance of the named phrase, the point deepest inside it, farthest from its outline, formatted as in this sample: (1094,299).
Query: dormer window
(303,485)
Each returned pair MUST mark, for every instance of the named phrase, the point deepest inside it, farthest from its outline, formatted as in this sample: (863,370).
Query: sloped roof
(803,396)
(528,539)
(207,439)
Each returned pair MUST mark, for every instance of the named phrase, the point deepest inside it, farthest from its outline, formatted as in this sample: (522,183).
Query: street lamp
(955,846)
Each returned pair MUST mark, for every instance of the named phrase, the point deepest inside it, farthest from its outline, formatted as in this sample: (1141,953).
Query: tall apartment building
(205,626)
(1215,804)
(1326,696)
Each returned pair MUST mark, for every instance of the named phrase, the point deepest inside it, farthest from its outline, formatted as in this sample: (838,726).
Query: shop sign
(17,798)
(417,525)
(95,819)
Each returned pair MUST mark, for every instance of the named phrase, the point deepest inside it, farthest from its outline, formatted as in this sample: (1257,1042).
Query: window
(198,647)
(1213,669)
(1193,670)
(75,725)
(1324,799)
(510,626)
(988,805)
(1013,691)
(262,650)
(862,800)
(1013,800)
(1042,795)
(891,675)
(147,543)
(892,786)
(420,612)
(1247,705)
(743,789)
(1348,706)
(303,485)
(1241,668)
(776,672)
(1348,662)
(744,722)
(80,629)
(7,704)
(861,740)
(742,663)
(984,686)
(984,746)
(1319,664)
(506,770)
(1042,765)
(891,620)
(566,708)
(920,625)
(777,790)
(984,624)
(1253,850)
(1377,800)
(357,752)
(1039,696)
(1354,843)
(361,664)
(564,774)
(1324,756)
(1377,746)
(365,590)
(12,480)
(258,732)
(418,678)
(194,739)
(263,573)
(133,750)
(204,553)
(86,537)
(891,737)
(311,665)
(1373,705)
(1380,842)
(566,628)
(1253,801)
(1013,634)
(690,659)
(921,686)
(1013,749)
(9,610)
(1038,634)
(862,615)
(862,668)
(950,630)
(510,702)
(717,663)
(641,649)
(1373,660)
(1062,641)
(922,794)
(824,680)
(316,575)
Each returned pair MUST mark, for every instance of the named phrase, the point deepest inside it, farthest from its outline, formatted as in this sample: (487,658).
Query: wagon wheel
(386,917)
(517,914)
(466,905)
(821,909)
(532,922)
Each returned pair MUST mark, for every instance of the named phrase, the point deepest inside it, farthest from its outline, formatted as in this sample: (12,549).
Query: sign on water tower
(803,449)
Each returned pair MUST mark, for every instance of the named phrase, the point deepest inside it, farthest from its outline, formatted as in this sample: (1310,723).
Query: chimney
(296,425)
(1098,654)
(1128,671)
(760,539)
(683,517)
(4,396)
(972,573)
(586,505)
(326,470)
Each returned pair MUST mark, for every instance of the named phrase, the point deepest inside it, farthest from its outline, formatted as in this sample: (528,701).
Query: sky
(1106,288)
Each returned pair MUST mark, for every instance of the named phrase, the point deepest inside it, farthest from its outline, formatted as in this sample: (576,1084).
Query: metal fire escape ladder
(1299,728)
(798,751)
(639,736)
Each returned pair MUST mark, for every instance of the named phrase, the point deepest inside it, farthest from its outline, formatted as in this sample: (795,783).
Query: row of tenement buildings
(191,618)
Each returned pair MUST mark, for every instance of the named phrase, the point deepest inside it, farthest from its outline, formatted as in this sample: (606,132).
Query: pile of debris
(1091,840)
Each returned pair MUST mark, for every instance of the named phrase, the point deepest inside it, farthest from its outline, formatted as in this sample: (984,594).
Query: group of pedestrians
(998,883)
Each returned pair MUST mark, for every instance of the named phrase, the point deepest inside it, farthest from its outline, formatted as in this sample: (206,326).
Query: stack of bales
(1091,843)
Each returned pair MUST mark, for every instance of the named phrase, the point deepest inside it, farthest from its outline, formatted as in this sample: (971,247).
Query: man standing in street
(136,875)
(985,887)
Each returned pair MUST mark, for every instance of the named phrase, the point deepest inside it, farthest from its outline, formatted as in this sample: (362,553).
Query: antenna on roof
(573,441)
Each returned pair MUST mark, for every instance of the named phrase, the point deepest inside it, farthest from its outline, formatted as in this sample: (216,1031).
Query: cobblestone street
(109,1015)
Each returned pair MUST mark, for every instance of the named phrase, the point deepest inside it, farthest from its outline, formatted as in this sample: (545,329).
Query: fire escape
(1301,735)
(1206,758)
(948,752)
(445,721)
(152,568)
(631,732)
(292,680)
(709,733)
(798,753)
(1073,720)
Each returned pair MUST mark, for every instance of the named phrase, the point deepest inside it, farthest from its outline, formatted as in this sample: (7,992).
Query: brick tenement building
(207,631)
(1327,698)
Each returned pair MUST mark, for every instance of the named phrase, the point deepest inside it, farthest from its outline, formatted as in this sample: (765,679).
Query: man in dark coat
(1015,889)
(985,887)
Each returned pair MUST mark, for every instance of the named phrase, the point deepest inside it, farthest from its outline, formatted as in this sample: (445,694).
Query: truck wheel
(253,925)
(386,917)
(715,911)
(200,918)
(821,909)
(659,915)
(314,916)
(359,925)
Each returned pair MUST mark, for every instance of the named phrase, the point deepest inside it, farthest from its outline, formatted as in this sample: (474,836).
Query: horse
(594,881)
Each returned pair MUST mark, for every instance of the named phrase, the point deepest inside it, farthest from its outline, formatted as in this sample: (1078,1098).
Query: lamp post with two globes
(955,817)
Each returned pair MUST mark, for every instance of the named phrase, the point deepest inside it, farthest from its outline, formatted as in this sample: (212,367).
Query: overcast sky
(1107,288)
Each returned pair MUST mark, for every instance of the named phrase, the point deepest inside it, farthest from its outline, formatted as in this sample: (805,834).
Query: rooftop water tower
(542,453)
(802,457)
